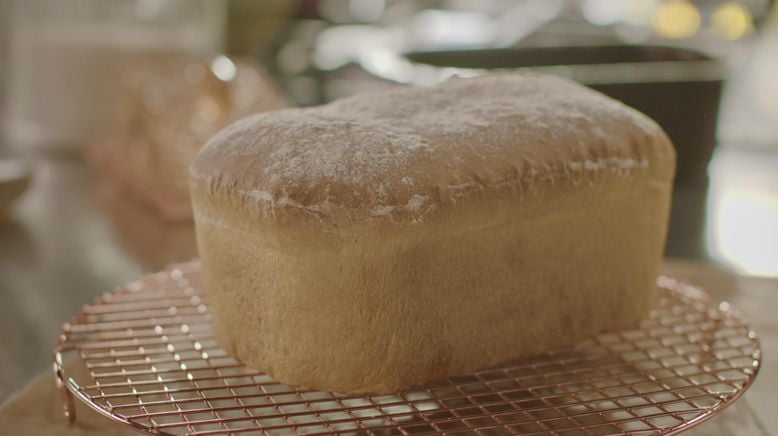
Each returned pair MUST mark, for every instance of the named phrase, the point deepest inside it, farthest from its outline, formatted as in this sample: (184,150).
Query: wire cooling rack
(151,363)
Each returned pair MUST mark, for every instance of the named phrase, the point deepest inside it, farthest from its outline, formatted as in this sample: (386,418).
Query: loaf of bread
(394,238)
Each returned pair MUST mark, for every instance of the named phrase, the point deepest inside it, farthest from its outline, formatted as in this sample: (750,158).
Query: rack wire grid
(152,364)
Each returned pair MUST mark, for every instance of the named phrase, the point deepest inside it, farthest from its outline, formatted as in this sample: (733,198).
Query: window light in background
(731,20)
(743,211)
(676,19)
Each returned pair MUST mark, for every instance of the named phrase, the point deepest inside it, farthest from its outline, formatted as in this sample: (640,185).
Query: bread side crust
(373,310)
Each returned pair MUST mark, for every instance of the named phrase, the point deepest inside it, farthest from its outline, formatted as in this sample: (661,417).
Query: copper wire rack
(151,363)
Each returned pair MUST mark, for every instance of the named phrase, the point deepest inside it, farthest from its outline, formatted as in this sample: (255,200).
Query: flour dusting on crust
(404,152)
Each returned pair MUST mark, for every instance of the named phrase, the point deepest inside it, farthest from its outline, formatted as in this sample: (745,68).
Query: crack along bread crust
(390,239)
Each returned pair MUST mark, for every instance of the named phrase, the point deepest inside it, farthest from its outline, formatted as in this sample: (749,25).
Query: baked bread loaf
(390,239)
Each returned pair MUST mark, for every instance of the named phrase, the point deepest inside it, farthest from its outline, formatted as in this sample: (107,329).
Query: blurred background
(103,104)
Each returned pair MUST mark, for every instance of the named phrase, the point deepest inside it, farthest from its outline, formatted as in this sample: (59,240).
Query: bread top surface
(406,153)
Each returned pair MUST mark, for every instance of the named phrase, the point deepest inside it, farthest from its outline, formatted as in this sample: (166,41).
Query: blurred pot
(679,88)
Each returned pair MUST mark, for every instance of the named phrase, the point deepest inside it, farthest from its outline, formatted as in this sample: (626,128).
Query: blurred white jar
(65,54)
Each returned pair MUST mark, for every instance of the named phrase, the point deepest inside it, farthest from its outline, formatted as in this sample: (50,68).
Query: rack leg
(67,397)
